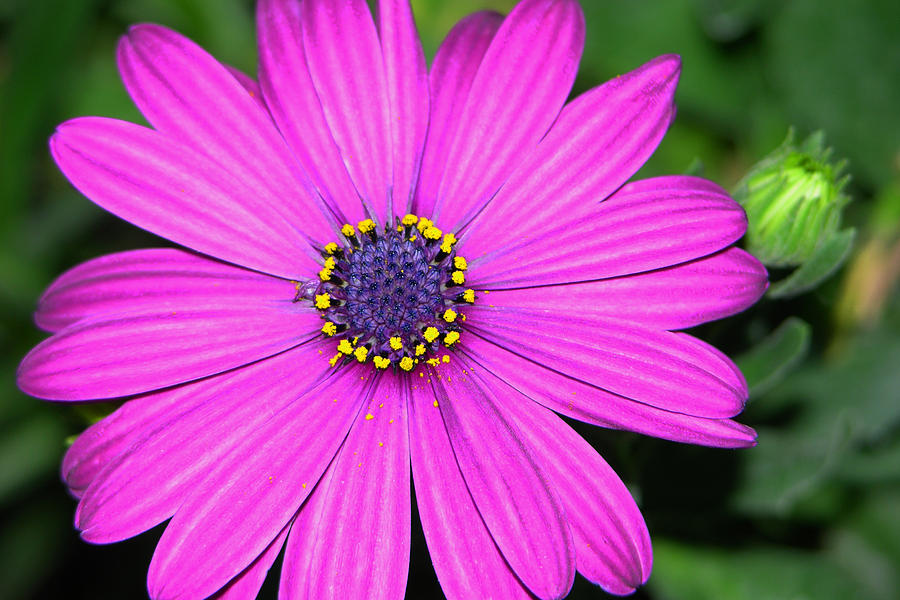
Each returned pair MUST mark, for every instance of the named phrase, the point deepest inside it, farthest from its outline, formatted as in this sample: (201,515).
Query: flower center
(391,296)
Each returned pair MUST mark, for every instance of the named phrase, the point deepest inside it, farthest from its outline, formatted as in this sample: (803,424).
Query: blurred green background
(812,513)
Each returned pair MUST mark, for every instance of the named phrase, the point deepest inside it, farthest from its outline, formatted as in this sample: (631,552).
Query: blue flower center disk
(391,296)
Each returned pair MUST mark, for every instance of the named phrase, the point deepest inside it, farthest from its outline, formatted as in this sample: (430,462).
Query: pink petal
(248,583)
(104,441)
(514,496)
(599,141)
(653,367)
(579,400)
(162,344)
(455,65)
(351,540)
(612,545)
(347,68)
(167,189)
(147,483)
(646,225)
(140,279)
(253,492)
(521,85)
(407,84)
(249,84)
(678,297)
(291,98)
(190,97)
(465,557)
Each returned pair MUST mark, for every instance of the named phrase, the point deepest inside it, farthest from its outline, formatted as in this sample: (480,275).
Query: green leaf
(827,258)
(776,356)
(689,573)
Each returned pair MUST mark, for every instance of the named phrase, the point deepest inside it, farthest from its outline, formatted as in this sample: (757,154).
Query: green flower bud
(793,198)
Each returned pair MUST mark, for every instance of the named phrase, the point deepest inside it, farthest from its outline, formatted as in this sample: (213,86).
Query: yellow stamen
(458,277)
(432,233)
(451,338)
(433,362)
(420,349)
(331,248)
(348,230)
(381,362)
(460,263)
(345,347)
(366,225)
(423,224)
(469,296)
(449,315)
(325,274)
(323,301)
(361,353)
(329,263)
(406,363)
(396,343)
(431,334)
(329,328)
(410,220)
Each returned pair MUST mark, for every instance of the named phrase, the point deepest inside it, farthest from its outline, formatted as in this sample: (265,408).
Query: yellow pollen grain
(323,301)
(432,233)
(460,263)
(348,230)
(410,220)
(329,328)
(345,347)
(396,343)
(331,248)
(420,349)
(381,362)
(380,444)
(446,358)
(433,362)
(435,403)
(366,225)
(361,353)
(458,277)
(333,360)
(431,334)
(451,338)
(449,315)
(406,363)
(304,485)
(469,296)
(369,416)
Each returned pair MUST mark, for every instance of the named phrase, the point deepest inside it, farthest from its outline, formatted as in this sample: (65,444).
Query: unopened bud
(793,198)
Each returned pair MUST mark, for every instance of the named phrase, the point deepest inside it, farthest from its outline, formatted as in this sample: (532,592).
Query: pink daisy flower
(392,276)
